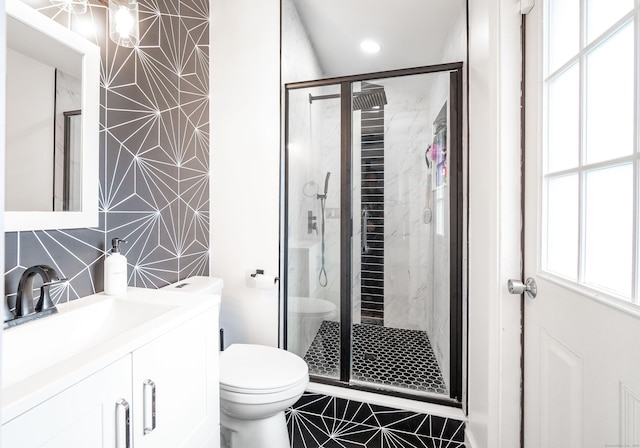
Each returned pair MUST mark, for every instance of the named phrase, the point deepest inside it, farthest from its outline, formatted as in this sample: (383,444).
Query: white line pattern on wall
(154,155)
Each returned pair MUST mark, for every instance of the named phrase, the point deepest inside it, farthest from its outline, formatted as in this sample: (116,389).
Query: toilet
(257,384)
(305,316)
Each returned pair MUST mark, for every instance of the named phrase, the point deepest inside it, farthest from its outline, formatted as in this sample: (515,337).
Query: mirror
(52,124)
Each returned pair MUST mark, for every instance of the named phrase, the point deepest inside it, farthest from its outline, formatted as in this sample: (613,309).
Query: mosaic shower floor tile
(381,355)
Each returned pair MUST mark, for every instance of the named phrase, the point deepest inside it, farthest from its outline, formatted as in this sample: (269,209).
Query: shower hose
(322,277)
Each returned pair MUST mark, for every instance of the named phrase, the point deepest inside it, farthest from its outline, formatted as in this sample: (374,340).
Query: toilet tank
(198,285)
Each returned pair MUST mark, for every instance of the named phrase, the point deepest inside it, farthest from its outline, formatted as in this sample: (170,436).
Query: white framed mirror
(52,127)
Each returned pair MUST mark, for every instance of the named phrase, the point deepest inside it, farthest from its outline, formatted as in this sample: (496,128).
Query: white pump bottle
(115,270)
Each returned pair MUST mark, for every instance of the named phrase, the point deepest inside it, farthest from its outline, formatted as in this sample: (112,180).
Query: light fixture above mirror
(123,22)
(124,27)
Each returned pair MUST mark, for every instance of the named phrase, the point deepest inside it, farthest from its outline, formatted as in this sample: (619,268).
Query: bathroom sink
(44,356)
(38,345)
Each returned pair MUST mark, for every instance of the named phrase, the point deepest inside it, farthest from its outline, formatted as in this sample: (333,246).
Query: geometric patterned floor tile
(321,421)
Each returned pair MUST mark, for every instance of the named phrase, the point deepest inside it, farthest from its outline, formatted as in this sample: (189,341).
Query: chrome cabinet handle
(123,424)
(149,397)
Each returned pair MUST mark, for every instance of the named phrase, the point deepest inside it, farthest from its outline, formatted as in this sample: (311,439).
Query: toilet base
(270,432)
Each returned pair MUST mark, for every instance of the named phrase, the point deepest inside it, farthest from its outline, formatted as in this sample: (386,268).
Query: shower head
(365,99)
(368,99)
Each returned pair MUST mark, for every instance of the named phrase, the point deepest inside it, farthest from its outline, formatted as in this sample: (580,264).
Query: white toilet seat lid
(260,369)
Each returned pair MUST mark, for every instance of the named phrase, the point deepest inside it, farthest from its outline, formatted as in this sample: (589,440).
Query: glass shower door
(400,193)
(313,232)
(373,236)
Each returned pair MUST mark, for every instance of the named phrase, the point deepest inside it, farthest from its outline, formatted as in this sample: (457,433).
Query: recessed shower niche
(373,230)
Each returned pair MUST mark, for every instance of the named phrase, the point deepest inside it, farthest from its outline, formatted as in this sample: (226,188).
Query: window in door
(591,159)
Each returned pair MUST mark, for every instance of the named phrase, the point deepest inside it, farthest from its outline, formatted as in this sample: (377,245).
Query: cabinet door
(81,416)
(180,371)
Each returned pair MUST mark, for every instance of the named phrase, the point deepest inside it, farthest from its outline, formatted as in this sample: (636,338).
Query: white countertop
(43,357)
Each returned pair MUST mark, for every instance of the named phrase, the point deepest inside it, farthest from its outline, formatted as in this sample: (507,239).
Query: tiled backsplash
(372,208)
(154,155)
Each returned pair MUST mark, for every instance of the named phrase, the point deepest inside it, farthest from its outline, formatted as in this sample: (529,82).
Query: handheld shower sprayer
(326,186)
(322,277)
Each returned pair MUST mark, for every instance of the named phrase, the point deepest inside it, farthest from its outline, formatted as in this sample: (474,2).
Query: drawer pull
(123,423)
(149,392)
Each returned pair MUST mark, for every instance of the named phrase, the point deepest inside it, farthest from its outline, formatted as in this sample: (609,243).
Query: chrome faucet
(25,308)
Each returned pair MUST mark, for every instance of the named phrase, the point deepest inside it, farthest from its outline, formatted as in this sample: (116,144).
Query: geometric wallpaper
(154,155)
(321,421)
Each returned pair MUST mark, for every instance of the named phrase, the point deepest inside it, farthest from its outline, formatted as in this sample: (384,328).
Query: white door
(582,332)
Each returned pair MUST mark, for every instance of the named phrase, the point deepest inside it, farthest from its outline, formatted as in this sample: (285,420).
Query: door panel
(630,417)
(560,393)
(581,349)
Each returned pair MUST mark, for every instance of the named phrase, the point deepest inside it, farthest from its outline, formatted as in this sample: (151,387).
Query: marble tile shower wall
(416,258)
(314,150)
(408,241)
(154,155)
(440,320)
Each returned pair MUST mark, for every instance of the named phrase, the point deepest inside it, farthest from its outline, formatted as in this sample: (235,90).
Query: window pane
(564,120)
(602,14)
(609,228)
(564,31)
(562,226)
(610,98)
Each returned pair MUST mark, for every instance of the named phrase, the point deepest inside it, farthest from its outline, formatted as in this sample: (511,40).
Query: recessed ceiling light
(369,46)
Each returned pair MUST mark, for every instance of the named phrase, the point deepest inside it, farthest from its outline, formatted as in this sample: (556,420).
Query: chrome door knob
(529,286)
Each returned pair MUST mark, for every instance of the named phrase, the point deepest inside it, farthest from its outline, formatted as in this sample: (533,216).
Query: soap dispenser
(115,270)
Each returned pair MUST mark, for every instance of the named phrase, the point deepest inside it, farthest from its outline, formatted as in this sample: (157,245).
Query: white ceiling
(412,33)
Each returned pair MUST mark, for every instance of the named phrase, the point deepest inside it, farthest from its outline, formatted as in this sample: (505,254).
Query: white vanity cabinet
(177,372)
(81,416)
(155,386)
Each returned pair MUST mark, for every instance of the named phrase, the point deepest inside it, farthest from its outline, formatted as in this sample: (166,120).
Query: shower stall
(372,247)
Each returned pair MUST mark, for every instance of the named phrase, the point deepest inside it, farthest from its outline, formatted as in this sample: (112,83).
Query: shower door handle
(365,232)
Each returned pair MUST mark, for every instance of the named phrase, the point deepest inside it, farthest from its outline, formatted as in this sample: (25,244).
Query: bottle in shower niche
(115,270)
